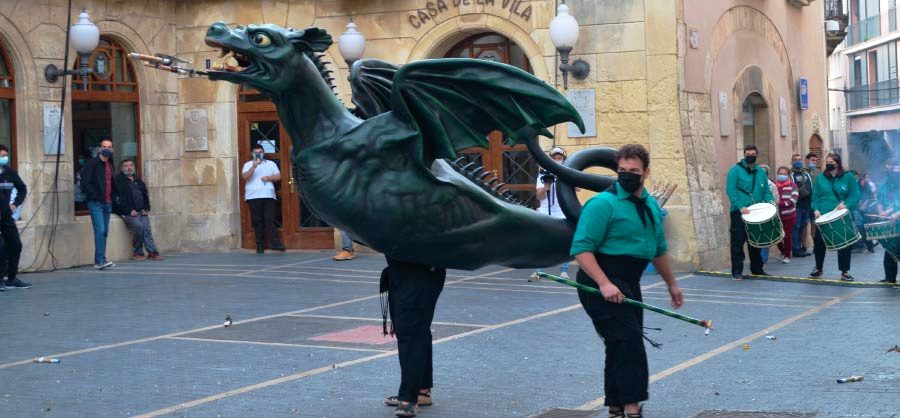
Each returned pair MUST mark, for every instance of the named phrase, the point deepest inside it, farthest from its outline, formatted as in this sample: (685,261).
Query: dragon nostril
(217,29)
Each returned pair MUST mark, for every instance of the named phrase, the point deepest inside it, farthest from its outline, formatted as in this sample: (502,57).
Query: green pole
(706,323)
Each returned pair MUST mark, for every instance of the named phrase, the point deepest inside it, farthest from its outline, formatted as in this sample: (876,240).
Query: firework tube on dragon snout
(705,323)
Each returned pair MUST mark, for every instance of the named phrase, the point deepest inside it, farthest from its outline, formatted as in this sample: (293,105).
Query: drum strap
(752,174)
(838,197)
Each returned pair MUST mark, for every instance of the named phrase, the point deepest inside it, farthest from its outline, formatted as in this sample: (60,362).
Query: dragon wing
(371,82)
(454,103)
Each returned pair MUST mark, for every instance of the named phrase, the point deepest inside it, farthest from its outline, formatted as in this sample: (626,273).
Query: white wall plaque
(783,116)
(51,130)
(586,106)
(724,115)
(195,130)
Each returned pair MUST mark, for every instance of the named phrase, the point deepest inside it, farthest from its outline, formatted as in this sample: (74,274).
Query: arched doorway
(107,108)
(258,124)
(7,105)
(514,165)
(754,126)
(816,145)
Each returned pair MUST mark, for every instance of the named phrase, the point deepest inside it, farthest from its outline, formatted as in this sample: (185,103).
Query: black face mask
(829,167)
(630,182)
(750,159)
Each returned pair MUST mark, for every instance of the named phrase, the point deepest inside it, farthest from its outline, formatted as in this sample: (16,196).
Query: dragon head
(254,55)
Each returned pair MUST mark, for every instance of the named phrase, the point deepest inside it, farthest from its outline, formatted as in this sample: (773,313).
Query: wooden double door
(299,228)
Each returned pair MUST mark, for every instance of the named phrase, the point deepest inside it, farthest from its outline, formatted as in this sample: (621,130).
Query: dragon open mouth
(231,61)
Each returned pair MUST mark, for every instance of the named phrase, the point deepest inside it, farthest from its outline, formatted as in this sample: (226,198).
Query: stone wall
(33,35)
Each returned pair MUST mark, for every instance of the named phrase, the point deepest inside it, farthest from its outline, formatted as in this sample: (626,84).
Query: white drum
(763,225)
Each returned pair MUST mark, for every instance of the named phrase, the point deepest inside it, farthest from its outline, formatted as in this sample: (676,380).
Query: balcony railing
(892,17)
(834,10)
(864,30)
(882,93)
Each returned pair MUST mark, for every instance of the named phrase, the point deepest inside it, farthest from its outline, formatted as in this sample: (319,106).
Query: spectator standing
(133,205)
(10,244)
(866,205)
(764,252)
(804,182)
(260,176)
(99,192)
(546,194)
(787,210)
(812,168)
(346,252)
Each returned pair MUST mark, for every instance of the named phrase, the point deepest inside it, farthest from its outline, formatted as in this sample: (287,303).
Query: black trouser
(890,265)
(621,327)
(738,238)
(262,215)
(819,250)
(413,294)
(10,248)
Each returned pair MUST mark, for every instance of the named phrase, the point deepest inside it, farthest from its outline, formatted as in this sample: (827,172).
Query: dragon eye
(262,39)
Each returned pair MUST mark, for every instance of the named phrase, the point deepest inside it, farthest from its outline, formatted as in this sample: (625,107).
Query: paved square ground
(147,339)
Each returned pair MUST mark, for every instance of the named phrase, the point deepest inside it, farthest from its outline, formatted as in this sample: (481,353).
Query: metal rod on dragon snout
(705,323)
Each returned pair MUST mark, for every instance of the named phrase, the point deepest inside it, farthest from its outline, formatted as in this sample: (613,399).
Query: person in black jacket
(133,205)
(97,186)
(10,244)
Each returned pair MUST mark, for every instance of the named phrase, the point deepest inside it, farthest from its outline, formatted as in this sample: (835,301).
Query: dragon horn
(486,175)
(492,181)
(477,172)
(458,161)
(468,167)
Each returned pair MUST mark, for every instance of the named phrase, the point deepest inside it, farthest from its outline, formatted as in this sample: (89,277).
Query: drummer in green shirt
(834,189)
(889,207)
(746,185)
(619,232)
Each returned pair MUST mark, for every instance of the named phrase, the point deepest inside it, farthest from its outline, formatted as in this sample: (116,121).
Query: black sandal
(424,399)
(408,410)
(639,414)
(616,412)
(817,273)
(846,277)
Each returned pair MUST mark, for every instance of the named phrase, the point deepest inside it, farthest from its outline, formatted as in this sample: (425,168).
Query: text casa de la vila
(434,8)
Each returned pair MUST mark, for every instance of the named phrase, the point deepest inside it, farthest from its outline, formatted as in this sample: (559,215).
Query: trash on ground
(770,337)
(746,346)
(228,320)
(46,360)
(895,348)
(850,379)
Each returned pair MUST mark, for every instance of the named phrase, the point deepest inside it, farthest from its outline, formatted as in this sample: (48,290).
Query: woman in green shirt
(833,189)
(619,232)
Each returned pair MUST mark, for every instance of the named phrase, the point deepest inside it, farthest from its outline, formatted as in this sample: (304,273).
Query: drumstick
(705,323)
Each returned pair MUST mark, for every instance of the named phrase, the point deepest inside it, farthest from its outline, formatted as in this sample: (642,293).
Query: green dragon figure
(381,172)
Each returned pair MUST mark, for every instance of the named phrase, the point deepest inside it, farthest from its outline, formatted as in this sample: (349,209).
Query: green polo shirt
(745,186)
(610,224)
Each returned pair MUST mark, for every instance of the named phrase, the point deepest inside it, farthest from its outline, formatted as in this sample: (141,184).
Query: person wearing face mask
(259,192)
(546,194)
(787,210)
(804,182)
(133,206)
(746,185)
(97,184)
(10,244)
(834,189)
(619,232)
(812,167)
(889,207)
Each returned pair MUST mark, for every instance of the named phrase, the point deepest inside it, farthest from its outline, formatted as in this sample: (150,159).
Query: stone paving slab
(528,347)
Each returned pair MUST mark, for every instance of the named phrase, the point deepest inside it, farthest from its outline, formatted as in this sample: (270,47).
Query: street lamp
(84,37)
(564,34)
(352,44)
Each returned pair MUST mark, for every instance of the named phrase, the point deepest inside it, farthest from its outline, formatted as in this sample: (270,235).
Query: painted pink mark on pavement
(367,334)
